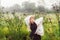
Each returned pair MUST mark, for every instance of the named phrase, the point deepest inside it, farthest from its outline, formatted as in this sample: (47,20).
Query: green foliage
(16,29)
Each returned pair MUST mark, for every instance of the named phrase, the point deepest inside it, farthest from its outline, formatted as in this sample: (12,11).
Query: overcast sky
(8,3)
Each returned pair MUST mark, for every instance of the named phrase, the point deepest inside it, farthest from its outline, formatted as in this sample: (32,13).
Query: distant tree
(56,7)
(15,8)
(28,6)
(59,6)
(2,9)
(41,9)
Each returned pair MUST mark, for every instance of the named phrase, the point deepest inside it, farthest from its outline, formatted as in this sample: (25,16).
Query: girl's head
(32,18)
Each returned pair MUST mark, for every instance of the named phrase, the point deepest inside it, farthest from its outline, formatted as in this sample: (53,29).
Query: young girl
(32,26)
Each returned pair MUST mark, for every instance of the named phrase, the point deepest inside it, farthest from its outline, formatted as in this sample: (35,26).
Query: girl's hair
(30,19)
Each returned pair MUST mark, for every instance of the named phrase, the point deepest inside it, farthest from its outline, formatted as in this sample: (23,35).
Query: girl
(32,26)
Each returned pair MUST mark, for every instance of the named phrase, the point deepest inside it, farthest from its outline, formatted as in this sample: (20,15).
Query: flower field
(13,27)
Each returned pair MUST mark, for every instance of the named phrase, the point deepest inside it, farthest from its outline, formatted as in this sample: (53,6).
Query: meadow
(13,27)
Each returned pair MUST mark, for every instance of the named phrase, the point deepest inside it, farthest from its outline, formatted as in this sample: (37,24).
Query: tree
(41,9)
(56,7)
(28,6)
(15,8)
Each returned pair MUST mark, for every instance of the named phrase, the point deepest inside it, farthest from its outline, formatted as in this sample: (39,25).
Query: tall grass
(13,27)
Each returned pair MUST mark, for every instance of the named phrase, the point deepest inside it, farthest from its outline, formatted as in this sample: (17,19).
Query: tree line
(30,7)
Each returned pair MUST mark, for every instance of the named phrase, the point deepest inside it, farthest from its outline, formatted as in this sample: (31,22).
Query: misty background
(29,6)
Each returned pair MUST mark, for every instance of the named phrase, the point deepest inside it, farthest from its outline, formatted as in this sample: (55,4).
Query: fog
(46,3)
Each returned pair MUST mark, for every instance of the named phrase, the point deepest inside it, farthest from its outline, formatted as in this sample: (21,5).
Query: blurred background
(13,13)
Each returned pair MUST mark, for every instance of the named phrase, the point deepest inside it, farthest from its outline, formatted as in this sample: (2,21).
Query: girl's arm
(39,21)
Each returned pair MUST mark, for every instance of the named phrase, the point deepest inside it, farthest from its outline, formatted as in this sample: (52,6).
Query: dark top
(33,27)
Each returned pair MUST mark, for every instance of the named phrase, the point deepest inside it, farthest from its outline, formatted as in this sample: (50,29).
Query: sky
(9,3)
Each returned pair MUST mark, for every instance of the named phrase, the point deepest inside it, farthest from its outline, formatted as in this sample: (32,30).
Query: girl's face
(32,19)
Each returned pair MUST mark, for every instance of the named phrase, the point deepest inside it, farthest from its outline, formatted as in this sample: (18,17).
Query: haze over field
(46,3)
(30,6)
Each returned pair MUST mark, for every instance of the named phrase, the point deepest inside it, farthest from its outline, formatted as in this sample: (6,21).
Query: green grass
(14,28)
